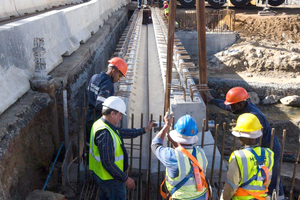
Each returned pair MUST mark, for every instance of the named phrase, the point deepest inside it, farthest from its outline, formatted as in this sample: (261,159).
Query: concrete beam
(215,41)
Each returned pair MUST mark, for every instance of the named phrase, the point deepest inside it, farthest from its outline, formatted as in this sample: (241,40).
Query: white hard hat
(115,103)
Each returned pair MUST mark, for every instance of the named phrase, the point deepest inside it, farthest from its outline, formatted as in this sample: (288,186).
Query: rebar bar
(203,132)
(272,138)
(214,154)
(222,155)
(280,164)
(295,171)
(158,165)
(140,161)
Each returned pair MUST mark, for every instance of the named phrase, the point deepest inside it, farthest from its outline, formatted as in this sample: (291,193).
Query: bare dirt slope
(268,48)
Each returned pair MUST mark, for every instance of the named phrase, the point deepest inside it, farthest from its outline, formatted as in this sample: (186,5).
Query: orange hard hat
(165,2)
(120,64)
(235,95)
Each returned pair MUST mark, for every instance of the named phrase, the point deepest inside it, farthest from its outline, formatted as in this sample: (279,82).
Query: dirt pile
(269,46)
(276,28)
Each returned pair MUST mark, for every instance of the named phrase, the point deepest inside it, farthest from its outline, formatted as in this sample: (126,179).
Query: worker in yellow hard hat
(250,168)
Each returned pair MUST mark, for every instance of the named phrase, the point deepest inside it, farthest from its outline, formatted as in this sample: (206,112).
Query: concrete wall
(20,7)
(215,42)
(62,30)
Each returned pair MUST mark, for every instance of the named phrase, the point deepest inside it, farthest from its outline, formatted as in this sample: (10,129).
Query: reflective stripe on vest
(247,164)
(188,190)
(95,163)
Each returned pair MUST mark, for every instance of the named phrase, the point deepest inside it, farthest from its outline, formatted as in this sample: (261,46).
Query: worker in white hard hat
(250,168)
(108,157)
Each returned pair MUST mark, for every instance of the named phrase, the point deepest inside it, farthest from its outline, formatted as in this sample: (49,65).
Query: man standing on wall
(108,158)
(236,102)
(101,86)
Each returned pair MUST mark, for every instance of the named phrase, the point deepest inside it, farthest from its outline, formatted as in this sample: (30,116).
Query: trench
(143,92)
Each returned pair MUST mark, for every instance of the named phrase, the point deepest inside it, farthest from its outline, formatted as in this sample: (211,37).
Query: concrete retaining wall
(20,7)
(62,30)
(215,42)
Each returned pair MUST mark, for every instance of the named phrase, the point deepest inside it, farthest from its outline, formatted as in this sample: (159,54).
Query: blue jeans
(110,189)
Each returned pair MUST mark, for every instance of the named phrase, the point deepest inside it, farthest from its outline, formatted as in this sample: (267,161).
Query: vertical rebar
(280,164)
(158,165)
(84,147)
(203,132)
(140,161)
(260,141)
(234,144)
(272,138)
(149,161)
(66,124)
(295,171)
(214,154)
(222,155)
(131,155)
(78,148)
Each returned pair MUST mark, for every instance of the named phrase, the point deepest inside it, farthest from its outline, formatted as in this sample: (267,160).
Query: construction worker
(101,86)
(186,164)
(236,102)
(108,158)
(166,9)
(250,168)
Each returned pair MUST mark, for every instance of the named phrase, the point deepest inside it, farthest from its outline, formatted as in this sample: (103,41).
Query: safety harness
(195,167)
(261,167)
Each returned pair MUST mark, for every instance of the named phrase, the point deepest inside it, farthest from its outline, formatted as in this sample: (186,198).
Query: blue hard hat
(186,126)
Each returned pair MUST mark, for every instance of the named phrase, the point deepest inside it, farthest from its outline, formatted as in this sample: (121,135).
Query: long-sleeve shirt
(167,156)
(234,177)
(101,86)
(104,142)
(251,108)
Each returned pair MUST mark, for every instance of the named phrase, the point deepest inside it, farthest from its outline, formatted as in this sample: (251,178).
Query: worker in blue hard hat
(185,163)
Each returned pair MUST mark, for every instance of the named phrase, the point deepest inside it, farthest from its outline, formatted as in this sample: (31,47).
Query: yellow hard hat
(247,126)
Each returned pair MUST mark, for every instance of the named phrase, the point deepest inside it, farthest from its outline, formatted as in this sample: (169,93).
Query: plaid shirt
(104,142)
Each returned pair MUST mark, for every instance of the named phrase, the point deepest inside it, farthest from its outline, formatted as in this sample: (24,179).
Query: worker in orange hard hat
(236,102)
(101,86)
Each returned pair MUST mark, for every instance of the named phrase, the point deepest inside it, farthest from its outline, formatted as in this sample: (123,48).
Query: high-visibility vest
(253,173)
(167,10)
(95,164)
(189,189)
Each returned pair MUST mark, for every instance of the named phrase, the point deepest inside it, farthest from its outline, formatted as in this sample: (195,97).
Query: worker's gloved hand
(208,96)
(130,184)
(149,125)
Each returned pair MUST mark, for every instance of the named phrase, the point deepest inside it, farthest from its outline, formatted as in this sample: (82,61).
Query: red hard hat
(120,64)
(235,95)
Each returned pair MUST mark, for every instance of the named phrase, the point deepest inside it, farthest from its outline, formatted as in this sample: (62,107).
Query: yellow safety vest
(247,164)
(189,189)
(95,164)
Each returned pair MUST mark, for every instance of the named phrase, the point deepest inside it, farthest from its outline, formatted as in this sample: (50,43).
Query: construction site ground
(266,54)
(268,49)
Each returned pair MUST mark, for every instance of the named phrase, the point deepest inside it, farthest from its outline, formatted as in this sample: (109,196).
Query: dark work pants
(110,189)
